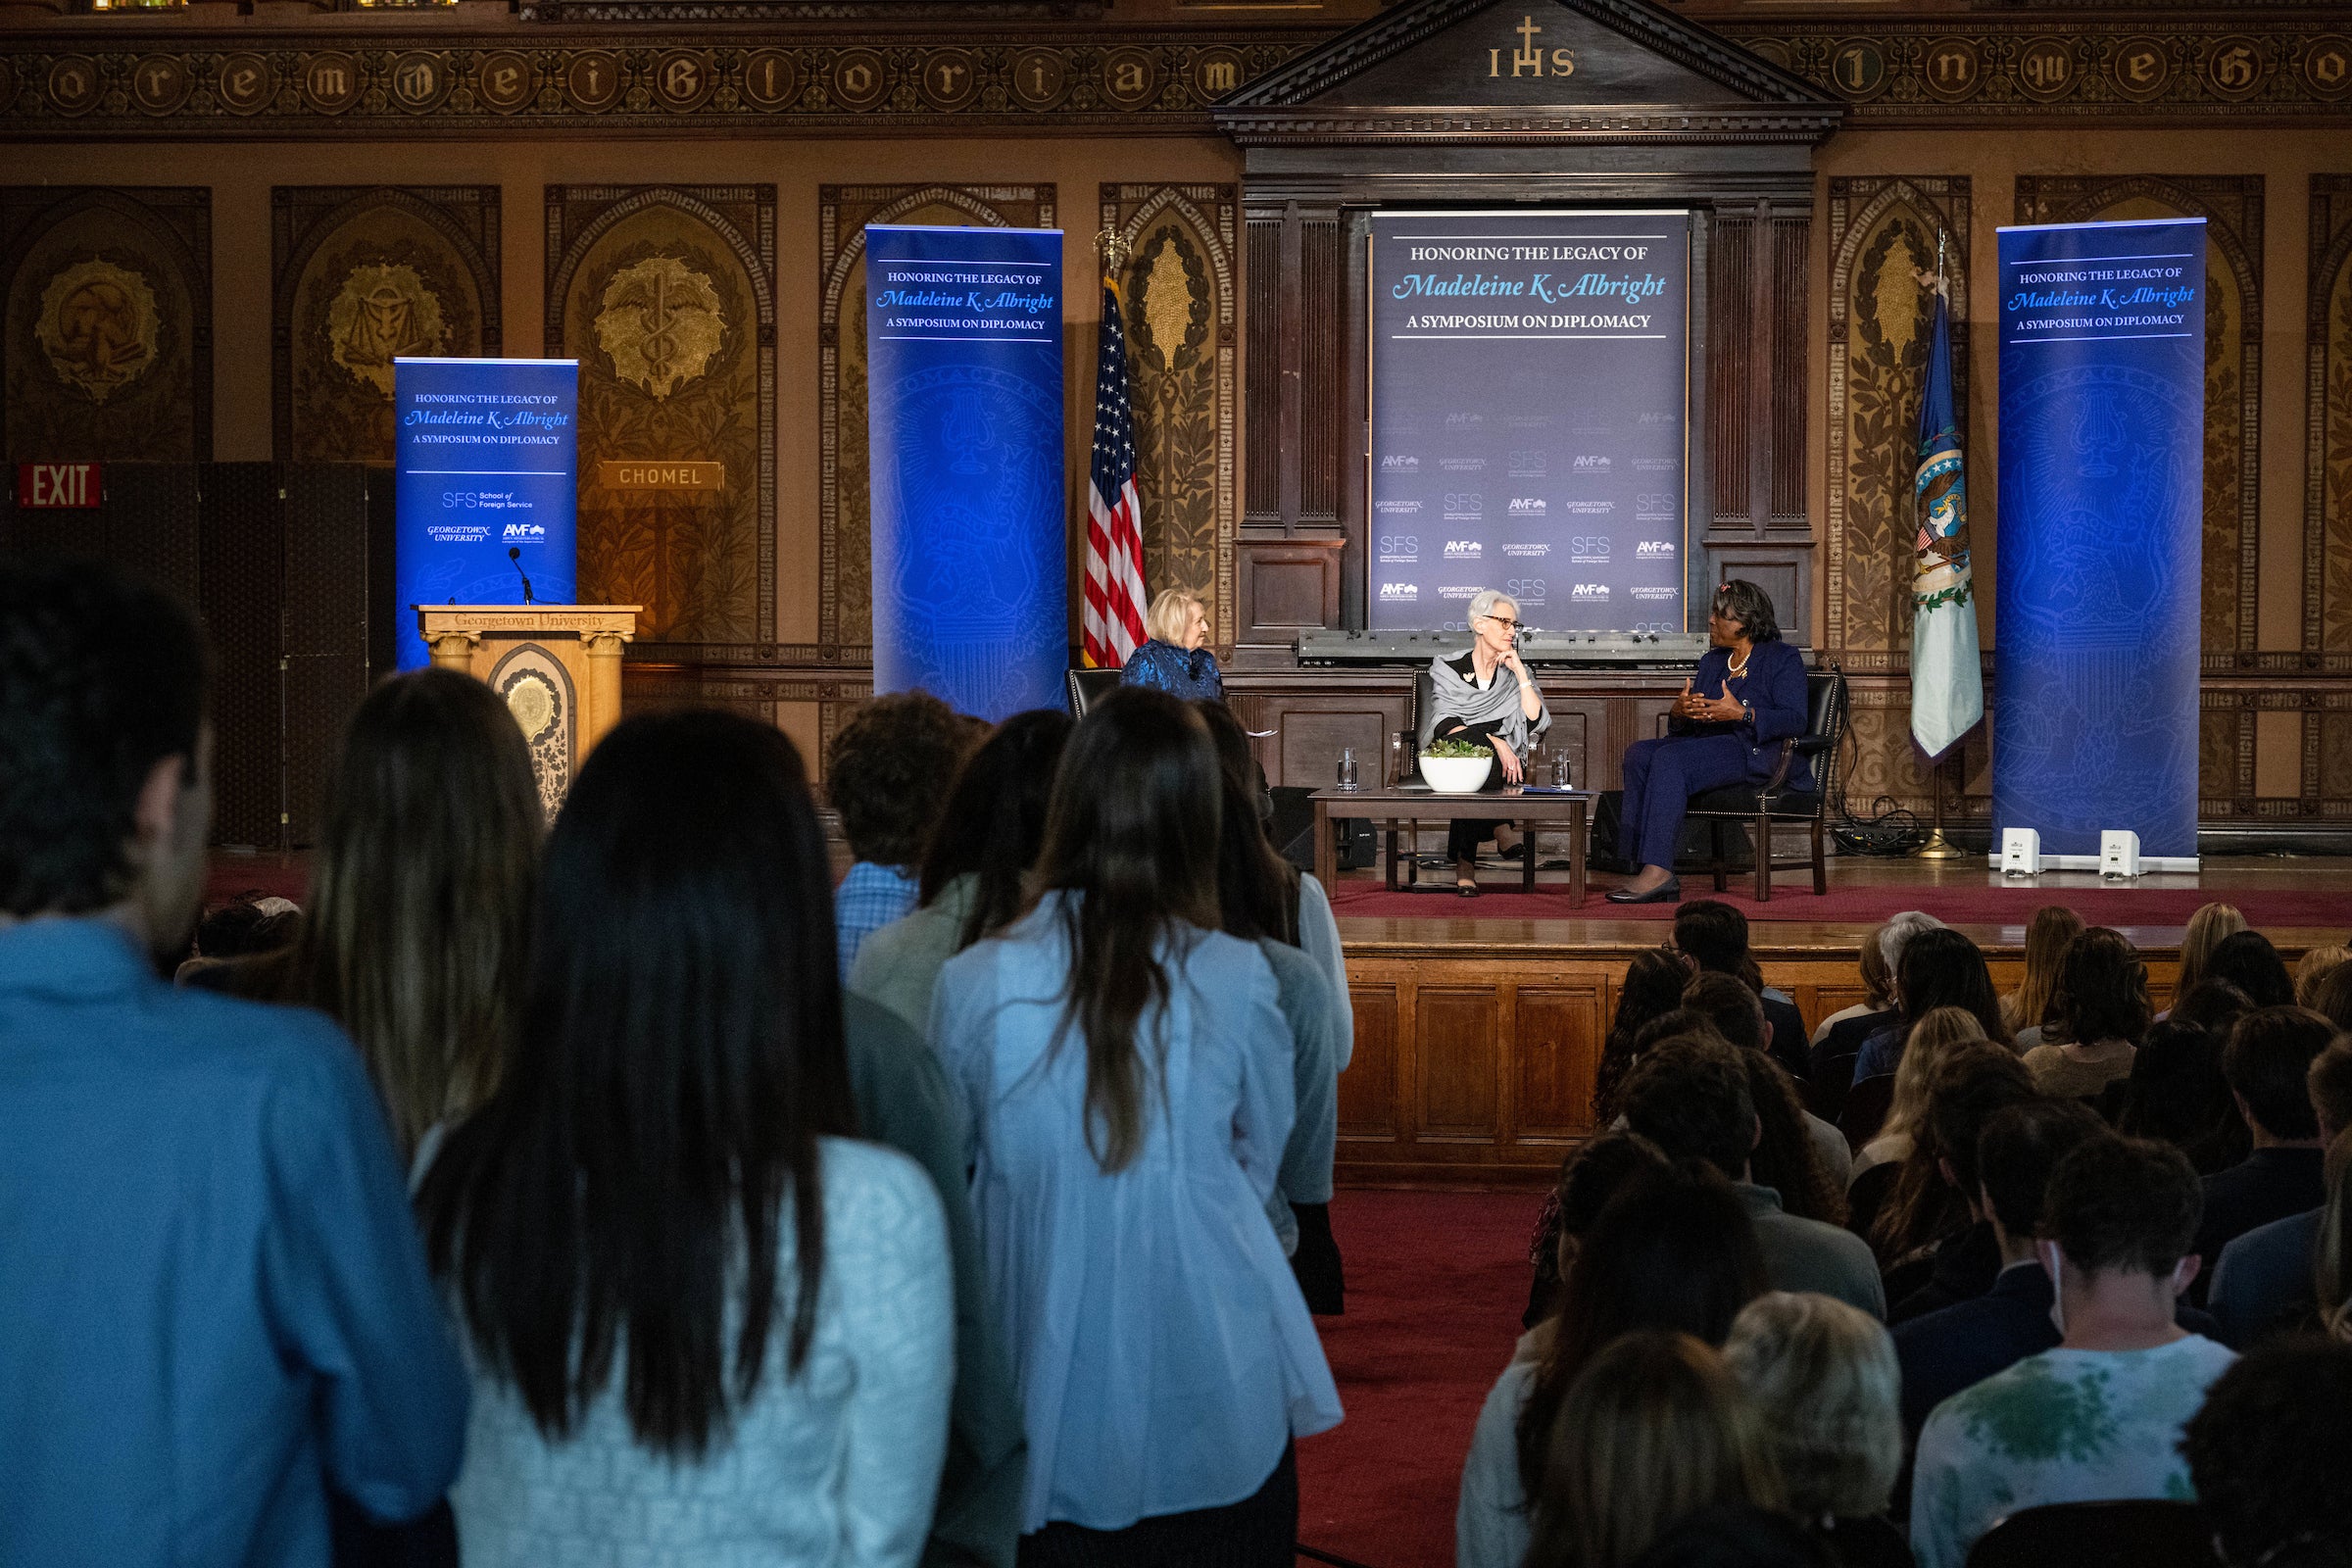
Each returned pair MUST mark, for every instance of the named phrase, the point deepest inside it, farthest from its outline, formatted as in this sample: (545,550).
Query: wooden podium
(555,667)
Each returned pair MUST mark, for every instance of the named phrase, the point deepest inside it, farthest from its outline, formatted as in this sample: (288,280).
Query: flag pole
(1937,847)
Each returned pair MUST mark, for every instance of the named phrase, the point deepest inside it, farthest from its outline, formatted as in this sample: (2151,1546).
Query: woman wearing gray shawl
(1486,695)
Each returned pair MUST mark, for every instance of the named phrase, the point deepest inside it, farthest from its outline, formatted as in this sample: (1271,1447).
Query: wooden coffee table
(1418,803)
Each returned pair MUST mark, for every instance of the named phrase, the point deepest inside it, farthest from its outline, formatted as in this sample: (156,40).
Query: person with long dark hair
(1936,968)
(1651,989)
(976,866)
(1128,1071)
(2099,1013)
(2247,960)
(706,1324)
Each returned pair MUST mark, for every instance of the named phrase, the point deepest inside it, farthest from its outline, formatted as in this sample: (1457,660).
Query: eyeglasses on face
(1504,620)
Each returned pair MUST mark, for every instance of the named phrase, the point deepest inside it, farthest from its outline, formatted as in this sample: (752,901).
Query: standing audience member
(2207,929)
(1926,1232)
(1825,1381)
(1128,1071)
(213,1303)
(2047,934)
(2248,961)
(1937,968)
(2268,1453)
(2276,1276)
(1690,1098)
(2312,969)
(888,774)
(420,894)
(975,869)
(1933,1039)
(2179,1094)
(1669,1250)
(1737,1014)
(1713,936)
(1654,1428)
(2268,1063)
(1589,1177)
(2099,1417)
(1652,988)
(2100,1014)
(705,1326)
(1838,1052)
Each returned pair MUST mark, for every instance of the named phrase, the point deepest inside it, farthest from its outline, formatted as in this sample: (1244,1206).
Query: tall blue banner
(488,462)
(2100,537)
(964,427)
(1528,418)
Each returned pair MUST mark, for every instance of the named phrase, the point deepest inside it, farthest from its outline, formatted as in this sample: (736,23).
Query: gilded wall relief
(366,276)
(845,604)
(1182,360)
(666,295)
(109,322)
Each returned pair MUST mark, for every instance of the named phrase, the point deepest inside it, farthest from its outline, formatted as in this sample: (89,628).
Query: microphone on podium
(515,553)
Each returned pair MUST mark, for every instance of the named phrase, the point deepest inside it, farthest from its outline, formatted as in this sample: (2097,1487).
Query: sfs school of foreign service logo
(1526,591)
(1591,549)
(1399,547)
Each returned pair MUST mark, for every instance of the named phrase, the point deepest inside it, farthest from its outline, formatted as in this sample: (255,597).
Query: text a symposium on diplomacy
(1539,273)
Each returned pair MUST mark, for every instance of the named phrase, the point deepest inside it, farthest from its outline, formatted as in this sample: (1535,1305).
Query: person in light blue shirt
(214,1310)
(888,775)
(1128,1073)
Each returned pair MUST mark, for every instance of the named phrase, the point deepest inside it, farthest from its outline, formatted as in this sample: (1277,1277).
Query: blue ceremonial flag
(1947,681)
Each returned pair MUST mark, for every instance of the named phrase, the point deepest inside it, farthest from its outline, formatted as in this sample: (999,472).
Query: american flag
(1113,621)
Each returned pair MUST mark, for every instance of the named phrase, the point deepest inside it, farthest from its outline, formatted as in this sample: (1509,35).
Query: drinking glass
(1349,779)
(1559,768)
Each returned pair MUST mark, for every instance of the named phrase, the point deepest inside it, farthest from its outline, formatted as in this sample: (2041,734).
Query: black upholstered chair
(2146,1534)
(1759,806)
(1089,687)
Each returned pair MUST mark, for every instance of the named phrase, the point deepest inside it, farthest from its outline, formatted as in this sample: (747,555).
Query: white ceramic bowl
(1456,775)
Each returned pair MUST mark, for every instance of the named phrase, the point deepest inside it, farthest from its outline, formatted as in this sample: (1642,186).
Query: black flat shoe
(1670,889)
(1516,853)
(1467,889)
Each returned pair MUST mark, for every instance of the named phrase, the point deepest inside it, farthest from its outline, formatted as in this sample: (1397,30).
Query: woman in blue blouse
(1748,695)
(1176,660)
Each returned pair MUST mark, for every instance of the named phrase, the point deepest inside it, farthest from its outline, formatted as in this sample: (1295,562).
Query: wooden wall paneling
(1286,586)
(1754,401)
(1460,1053)
(1369,1090)
(1732,371)
(1555,1049)
(360,275)
(1262,405)
(1309,738)
(2328,499)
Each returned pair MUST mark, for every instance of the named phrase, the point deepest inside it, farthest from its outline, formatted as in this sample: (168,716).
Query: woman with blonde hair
(1827,1389)
(2311,973)
(1655,1427)
(1176,660)
(2052,927)
(1931,1041)
(2207,929)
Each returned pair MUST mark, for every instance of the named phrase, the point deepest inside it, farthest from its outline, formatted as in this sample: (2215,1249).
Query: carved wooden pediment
(1528,71)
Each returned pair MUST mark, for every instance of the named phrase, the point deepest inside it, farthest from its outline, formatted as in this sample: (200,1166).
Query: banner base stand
(2149,864)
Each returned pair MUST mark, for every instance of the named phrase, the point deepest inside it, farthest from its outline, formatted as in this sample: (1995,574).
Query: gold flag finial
(1112,246)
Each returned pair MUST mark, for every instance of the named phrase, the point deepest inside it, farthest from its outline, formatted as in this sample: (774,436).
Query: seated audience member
(700,1314)
(1926,1236)
(1937,968)
(1690,1098)
(1671,1250)
(1737,1014)
(1878,989)
(2277,1276)
(1127,1068)
(2177,1094)
(975,868)
(1652,988)
(2208,928)
(1788,1157)
(2268,1063)
(1836,1054)
(2099,1417)
(2047,934)
(886,776)
(1967,1342)
(2268,1453)
(1176,658)
(2334,998)
(1825,1381)
(1932,1039)
(1653,1429)
(2312,969)
(2248,961)
(1740,1534)
(251,926)
(213,1303)
(2099,1014)
(1713,936)
(1589,1178)
(2213,1006)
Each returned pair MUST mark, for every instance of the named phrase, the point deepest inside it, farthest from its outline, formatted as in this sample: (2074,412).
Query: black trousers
(1261,1531)
(1464,835)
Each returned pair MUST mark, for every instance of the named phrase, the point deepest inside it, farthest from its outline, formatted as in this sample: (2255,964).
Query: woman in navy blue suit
(1747,696)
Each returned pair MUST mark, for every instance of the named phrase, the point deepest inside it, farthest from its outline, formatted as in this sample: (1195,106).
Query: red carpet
(1793,900)
(1436,1283)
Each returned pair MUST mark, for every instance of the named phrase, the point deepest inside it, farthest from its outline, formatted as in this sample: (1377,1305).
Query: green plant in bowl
(1455,747)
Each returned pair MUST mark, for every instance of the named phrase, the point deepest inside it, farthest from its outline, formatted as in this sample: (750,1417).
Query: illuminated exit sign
(57,485)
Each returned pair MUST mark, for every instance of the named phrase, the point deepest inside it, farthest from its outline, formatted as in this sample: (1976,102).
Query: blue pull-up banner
(486,458)
(2101,551)
(965,430)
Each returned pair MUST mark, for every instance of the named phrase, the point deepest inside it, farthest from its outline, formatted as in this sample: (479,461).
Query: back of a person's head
(2247,960)
(1654,1428)
(2268,1453)
(1676,1024)
(1975,1081)
(679,1055)
(888,770)
(2312,969)
(995,819)
(1943,968)
(2020,1147)
(1597,1171)
(1878,974)
(2333,997)
(1896,934)
(1257,890)
(1930,1044)
(1826,1383)
(1738,1535)
(419,926)
(1784,1157)
(2212,1005)
(2123,1206)
(2332,1248)
(1690,1098)
(2330,1082)
(1736,1012)
(1713,934)
(2102,989)
(1652,988)
(2207,928)
(2268,1062)
(103,687)
(2047,934)
(248,924)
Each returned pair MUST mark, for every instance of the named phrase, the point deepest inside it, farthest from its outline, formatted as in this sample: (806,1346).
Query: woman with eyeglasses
(1486,695)
(1747,696)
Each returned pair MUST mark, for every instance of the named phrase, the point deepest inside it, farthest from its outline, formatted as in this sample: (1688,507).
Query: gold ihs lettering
(1529,60)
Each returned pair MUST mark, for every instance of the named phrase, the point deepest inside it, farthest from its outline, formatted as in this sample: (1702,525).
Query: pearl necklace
(1734,672)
